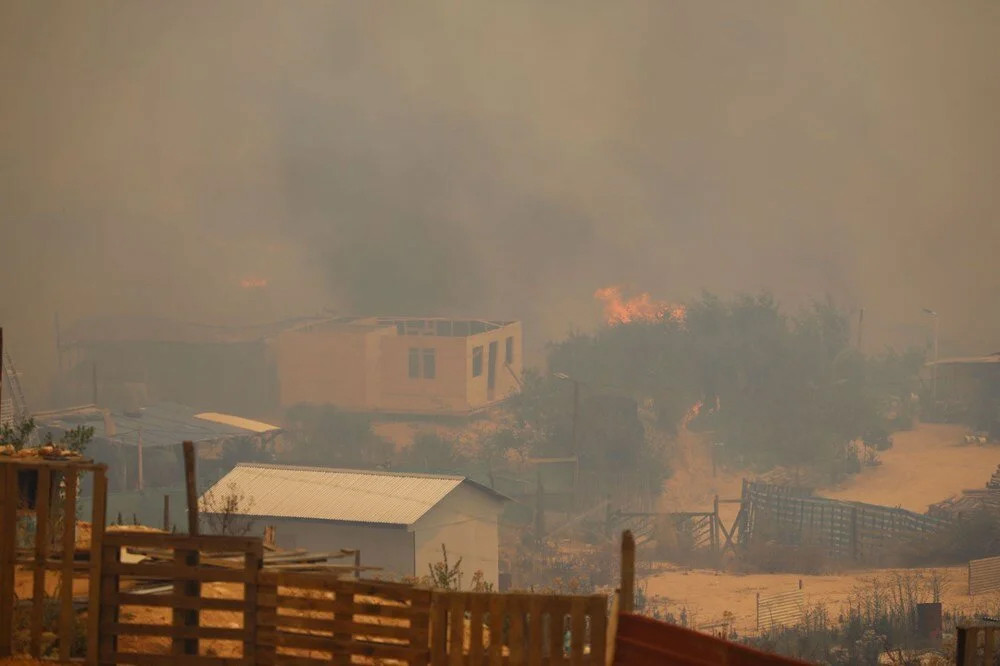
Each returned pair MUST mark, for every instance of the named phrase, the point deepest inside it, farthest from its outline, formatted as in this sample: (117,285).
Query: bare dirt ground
(925,465)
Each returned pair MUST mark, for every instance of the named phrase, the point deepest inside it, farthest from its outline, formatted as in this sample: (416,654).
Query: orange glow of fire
(253,283)
(619,309)
(691,414)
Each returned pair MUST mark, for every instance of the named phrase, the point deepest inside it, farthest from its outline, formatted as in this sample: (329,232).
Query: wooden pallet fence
(180,627)
(38,537)
(478,628)
(318,618)
(976,644)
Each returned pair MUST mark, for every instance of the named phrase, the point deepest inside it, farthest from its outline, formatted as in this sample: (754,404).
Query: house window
(430,365)
(509,351)
(477,361)
(414,363)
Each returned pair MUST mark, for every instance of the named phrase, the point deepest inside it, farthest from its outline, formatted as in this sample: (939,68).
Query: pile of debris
(970,501)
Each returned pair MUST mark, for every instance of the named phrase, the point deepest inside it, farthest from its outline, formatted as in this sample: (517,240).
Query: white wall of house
(389,547)
(466,521)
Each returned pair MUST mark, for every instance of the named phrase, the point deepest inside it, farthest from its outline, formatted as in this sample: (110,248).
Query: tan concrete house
(399,364)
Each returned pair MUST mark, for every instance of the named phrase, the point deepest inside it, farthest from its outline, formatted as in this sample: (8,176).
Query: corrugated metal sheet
(237,422)
(984,575)
(784,609)
(320,493)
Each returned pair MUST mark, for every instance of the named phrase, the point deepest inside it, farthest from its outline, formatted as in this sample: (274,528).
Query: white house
(398,521)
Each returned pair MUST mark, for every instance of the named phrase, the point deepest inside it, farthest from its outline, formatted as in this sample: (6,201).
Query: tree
(229,512)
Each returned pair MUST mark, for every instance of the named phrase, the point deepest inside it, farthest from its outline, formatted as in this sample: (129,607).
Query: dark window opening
(430,365)
(477,361)
(491,373)
(509,351)
(414,363)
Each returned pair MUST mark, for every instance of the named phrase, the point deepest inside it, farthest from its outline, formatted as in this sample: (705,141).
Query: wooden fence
(317,618)
(784,609)
(841,529)
(175,616)
(976,644)
(487,628)
(38,507)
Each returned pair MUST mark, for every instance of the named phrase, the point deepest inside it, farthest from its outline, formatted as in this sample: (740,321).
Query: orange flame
(253,283)
(691,414)
(621,310)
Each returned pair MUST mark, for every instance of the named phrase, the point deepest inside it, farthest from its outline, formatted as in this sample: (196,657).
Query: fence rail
(480,628)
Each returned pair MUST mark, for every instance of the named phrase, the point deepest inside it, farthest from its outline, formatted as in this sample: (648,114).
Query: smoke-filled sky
(496,159)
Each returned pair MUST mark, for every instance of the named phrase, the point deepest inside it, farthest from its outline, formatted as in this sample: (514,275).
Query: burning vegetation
(622,309)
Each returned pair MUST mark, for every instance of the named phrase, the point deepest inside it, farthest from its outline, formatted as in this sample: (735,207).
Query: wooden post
(166,513)
(98,521)
(66,614)
(191,590)
(8,544)
(357,563)
(254,562)
(42,496)
(628,573)
(715,526)
(190,481)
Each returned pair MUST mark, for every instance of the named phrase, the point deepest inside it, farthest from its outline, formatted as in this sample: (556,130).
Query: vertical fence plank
(185,617)
(98,520)
(265,652)
(439,630)
(535,631)
(67,617)
(497,611)
(345,636)
(456,629)
(628,572)
(577,627)
(597,609)
(516,609)
(104,651)
(252,565)
(557,620)
(43,492)
(477,605)
(8,536)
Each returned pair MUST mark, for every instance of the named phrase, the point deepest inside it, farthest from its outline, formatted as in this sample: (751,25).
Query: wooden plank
(107,613)
(184,619)
(516,610)
(67,616)
(42,497)
(181,571)
(254,563)
(345,618)
(557,630)
(268,600)
(190,484)
(147,659)
(578,629)
(456,629)
(173,601)
(439,630)
(208,543)
(334,626)
(535,637)
(498,609)
(627,572)
(477,607)
(597,608)
(338,647)
(8,534)
(177,632)
(265,654)
(98,521)
(400,592)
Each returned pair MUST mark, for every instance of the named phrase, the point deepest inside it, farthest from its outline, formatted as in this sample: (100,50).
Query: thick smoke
(499,160)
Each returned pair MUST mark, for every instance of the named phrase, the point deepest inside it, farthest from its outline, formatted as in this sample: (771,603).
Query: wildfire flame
(253,283)
(618,309)
(692,413)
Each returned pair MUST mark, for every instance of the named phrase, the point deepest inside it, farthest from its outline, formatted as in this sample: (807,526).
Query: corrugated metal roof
(237,422)
(346,495)
(162,424)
